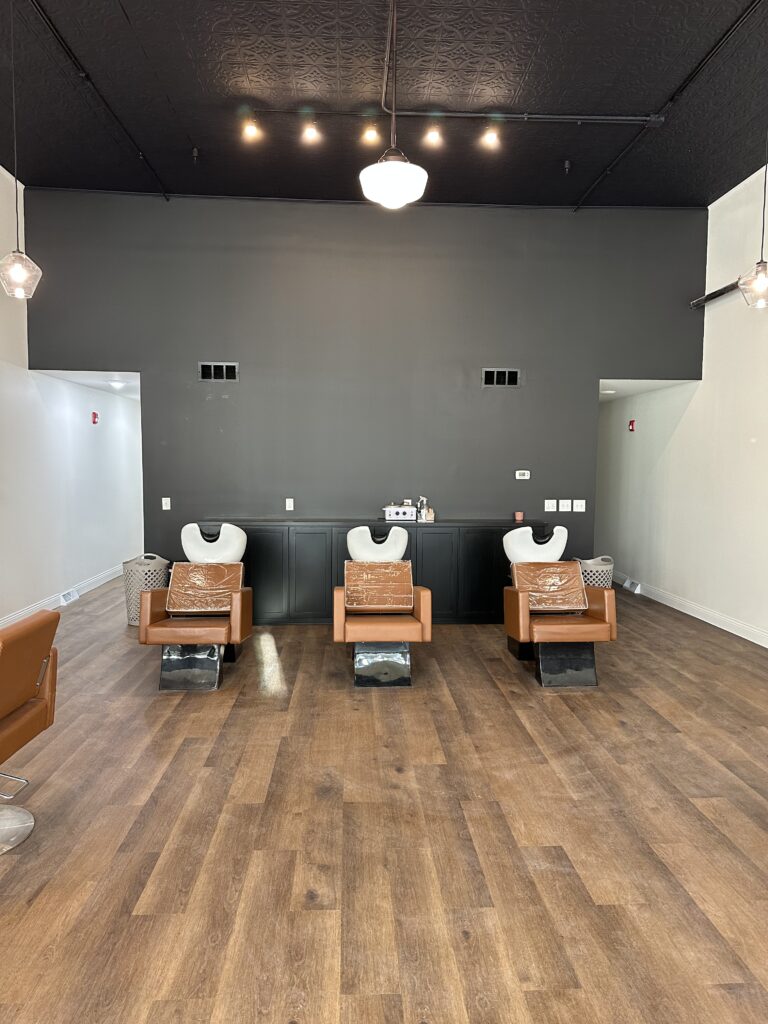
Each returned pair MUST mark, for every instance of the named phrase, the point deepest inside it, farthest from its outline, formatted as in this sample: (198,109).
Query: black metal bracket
(716,294)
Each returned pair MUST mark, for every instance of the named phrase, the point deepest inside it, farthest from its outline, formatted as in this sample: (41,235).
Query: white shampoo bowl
(363,548)
(519,545)
(229,546)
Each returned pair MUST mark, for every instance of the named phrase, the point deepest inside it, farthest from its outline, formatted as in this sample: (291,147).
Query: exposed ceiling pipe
(682,88)
(85,76)
(647,120)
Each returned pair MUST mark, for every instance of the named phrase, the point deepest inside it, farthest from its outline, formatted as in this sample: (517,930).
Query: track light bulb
(311,134)
(371,136)
(433,137)
(490,138)
(251,131)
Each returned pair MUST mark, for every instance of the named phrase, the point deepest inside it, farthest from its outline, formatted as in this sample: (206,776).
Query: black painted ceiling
(178,74)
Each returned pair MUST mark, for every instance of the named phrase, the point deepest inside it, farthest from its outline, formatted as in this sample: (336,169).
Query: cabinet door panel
(311,573)
(483,572)
(436,568)
(266,570)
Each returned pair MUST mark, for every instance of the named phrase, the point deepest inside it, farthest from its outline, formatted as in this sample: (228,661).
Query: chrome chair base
(382,664)
(196,667)
(16,823)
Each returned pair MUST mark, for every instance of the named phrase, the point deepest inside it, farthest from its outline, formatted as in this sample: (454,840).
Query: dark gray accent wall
(360,335)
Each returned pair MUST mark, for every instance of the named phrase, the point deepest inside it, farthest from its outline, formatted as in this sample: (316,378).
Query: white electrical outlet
(579,505)
(289,504)
(564,505)
(550,504)
(166,504)
(522,474)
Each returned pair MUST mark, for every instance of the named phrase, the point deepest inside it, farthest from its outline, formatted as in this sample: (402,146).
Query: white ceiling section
(125,384)
(613,389)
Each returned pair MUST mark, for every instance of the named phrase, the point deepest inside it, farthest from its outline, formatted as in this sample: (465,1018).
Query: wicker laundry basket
(597,572)
(145,572)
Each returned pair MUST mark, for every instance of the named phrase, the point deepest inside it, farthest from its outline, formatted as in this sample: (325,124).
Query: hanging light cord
(393,122)
(390,60)
(765,194)
(13,108)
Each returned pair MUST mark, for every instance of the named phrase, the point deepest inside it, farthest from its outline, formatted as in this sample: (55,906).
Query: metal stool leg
(382,664)
(191,667)
(16,823)
(566,664)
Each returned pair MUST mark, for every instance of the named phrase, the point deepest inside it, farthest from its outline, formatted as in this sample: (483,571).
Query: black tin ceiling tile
(179,74)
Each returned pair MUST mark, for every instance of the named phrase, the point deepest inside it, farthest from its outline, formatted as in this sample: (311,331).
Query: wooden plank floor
(470,851)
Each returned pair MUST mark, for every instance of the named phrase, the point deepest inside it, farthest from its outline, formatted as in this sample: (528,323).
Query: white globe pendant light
(393,181)
(19,275)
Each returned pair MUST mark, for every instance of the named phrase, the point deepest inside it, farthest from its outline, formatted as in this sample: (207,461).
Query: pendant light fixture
(19,274)
(754,284)
(393,181)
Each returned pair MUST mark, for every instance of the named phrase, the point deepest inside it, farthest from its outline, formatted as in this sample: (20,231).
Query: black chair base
(522,651)
(558,665)
(195,667)
(232,653)
(382,664)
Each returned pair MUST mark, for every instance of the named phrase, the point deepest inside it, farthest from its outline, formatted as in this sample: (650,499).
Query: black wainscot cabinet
(293,565)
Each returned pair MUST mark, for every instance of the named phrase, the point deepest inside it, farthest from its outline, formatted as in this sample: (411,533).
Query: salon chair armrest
(241,615)
(151,609)
(517,614)
(601,604)
(339,615)
(47,689)
(422,610)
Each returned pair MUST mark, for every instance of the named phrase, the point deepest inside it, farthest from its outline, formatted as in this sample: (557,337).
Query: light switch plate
(289,504)
(522,474)
(550,504)
(166,504)
(564,505)
(579,505)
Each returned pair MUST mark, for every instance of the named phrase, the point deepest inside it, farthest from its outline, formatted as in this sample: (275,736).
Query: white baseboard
(700,611)
(54,601)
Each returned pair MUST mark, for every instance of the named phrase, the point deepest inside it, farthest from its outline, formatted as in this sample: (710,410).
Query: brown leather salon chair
(200,620)
(28,663)
(380,611)
(551,618)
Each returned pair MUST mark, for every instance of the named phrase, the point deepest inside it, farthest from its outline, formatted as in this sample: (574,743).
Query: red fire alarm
(631,426)
(95,418)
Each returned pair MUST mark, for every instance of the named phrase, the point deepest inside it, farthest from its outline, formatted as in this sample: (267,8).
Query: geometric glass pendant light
(19,275)
(393,181)
(754,284)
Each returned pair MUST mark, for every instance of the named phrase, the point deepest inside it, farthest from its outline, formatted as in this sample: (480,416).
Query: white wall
(70,492)
(682,503)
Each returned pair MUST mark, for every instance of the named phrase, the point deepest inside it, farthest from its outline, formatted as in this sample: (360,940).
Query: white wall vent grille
(218,371)
(501,377)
